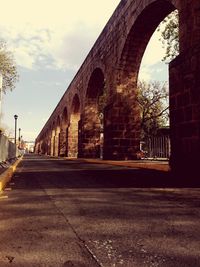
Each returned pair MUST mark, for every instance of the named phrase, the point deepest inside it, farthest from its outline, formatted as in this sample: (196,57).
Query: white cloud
(59,34)
(47,13)
(23,58)
(152,67)
(61,30)
(154,51)
(29,135)
(145,74)
(75,46)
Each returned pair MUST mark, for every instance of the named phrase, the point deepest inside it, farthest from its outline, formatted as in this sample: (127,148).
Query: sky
(50,40)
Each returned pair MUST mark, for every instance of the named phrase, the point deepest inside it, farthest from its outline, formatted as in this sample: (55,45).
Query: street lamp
(19,137)
(15,117)
(21,144)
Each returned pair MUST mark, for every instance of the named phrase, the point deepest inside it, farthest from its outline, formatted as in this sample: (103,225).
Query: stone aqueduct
(111,70)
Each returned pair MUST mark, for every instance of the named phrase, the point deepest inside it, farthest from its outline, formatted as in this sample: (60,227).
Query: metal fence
(157,147)
(8,149)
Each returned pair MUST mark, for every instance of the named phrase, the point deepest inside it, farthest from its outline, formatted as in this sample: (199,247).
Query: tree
(8,68)
(152,98)
(169,29)
(7,131)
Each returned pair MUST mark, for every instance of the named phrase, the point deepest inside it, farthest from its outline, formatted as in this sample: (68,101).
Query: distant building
(29,146)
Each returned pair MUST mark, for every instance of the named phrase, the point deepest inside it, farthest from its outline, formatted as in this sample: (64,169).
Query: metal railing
(157,147)
(8,150)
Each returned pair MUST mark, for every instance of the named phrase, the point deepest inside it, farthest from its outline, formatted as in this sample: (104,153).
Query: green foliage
(7,68)
(170,35)
(152,98)
(2,130)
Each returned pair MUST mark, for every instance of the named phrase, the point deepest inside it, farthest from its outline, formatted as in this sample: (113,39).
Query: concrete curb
(6,176)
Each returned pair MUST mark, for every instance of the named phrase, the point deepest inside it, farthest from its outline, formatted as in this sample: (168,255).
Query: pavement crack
(10,258)
(81,242)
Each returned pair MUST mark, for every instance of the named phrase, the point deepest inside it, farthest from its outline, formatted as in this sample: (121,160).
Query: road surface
(58,212)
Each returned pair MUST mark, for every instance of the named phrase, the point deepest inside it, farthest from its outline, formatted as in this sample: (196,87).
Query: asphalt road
(58,212)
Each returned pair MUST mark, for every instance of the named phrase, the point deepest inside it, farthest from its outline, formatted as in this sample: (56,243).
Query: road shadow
(139,214)
(53,172)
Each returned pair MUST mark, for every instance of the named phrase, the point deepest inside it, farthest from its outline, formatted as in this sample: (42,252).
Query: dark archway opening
(92,121)
(73,130)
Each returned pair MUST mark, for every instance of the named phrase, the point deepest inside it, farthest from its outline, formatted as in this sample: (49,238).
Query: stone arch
(122,129)
(167,8)
(92,118)
(75,107)
(95,84)
(64,116)
(64,133)
(73,130)
(137,40)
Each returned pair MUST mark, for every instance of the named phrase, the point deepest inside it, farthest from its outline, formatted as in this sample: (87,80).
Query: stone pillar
(37,148)
(49,146)
(121,128)
(185,112)
(189,22)
(44,147)
(52,145)
(57,144)
(90,131)
(73,137)
(64,142)
(184,80)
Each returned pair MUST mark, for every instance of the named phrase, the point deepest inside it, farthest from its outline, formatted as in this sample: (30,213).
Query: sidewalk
(159,165)
(6,172)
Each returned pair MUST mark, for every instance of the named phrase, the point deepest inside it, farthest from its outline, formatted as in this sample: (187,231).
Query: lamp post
(15,117)
(19,138)
(101,117)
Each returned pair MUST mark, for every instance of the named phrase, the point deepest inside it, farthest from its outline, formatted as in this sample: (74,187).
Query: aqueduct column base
(63,142)
(184,78)
(90,131)
(121,128)
(52,152)
(73,137)
(185,112)
(57,145)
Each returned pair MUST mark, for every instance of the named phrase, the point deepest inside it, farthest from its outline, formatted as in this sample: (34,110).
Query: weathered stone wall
(185,111)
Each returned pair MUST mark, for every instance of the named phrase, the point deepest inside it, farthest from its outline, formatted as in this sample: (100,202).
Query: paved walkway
(58,212)
(7,169)
(160,165)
